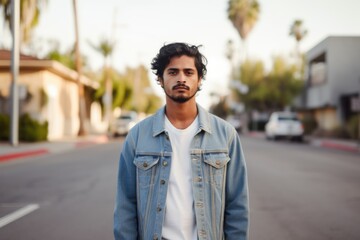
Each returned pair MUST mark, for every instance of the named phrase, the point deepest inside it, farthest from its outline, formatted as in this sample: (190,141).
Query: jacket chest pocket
(215,167)
(146,169)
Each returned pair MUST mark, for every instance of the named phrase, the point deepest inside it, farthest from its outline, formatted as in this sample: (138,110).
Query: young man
(182,172)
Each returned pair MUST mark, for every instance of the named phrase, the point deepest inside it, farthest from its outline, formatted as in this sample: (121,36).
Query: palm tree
(230,56)
(297,30)
(78,64)
(106,49)
(243,14)
(29,16)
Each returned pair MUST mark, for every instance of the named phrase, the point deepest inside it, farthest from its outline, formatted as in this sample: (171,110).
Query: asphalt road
(75,192)
(297,192)
(300,192)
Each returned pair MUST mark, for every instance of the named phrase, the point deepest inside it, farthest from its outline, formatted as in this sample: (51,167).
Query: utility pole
(359,114)
(78,62)
(15,20)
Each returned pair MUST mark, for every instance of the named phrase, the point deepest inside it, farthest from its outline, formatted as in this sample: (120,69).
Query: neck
(181,115)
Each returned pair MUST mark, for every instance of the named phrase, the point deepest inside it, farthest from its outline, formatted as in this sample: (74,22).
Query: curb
(323,143)
(333,144)
(46,150)
(12,156)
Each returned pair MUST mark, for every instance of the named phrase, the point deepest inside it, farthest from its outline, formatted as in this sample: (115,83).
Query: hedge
(30,130)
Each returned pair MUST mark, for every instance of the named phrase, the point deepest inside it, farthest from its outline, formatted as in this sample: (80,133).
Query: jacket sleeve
(236,218)
(125,213)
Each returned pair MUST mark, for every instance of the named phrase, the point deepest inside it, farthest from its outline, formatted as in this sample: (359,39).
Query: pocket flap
(217,160)
(146,162)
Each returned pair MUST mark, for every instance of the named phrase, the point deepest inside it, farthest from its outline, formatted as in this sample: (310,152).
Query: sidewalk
(8,152)
(339,144)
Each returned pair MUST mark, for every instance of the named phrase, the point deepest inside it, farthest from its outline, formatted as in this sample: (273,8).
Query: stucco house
(48,91)
(332,86)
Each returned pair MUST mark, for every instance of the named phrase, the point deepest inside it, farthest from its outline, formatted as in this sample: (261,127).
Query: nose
(181,78)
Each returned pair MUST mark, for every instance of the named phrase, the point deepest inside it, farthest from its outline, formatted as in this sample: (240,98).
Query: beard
(180,99)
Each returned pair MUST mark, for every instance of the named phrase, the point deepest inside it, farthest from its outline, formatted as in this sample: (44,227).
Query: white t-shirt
(179,223)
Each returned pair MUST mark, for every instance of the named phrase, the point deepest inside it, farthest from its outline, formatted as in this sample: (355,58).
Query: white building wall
(62,108)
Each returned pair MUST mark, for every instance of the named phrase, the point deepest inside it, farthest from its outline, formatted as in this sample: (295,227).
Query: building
(48,91)
(331,93)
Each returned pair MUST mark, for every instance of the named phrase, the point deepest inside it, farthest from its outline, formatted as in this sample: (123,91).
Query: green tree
(282,84)
(67,57)
(142,90)
(252,74)
(243,14)
(125,95)
(30,11)
(106,49)
(154,103)
(269,91)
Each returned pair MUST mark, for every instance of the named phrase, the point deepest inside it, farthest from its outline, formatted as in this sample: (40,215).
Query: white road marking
(18,214)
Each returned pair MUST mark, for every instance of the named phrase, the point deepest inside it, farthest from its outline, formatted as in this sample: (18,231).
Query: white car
(124,123)
(284,125)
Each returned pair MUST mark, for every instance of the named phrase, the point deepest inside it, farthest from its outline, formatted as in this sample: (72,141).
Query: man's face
(180,79)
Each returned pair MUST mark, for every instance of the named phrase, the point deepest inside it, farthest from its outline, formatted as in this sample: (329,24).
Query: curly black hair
(178,49)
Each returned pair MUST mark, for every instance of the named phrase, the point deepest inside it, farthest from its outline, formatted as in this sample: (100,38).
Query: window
(318,70)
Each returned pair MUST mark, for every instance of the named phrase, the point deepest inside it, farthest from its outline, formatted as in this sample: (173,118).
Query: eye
(172,72)
(189,72)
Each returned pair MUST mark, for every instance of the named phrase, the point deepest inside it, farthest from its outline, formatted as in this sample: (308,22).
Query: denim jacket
(219,180)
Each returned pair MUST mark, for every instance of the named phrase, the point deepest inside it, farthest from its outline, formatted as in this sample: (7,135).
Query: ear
(199,82)
(160,82)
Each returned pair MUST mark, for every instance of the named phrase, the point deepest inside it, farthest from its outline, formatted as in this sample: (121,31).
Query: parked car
(124,123)
(284,125)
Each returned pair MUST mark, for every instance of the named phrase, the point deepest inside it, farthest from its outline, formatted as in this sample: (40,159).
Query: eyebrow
(177,69)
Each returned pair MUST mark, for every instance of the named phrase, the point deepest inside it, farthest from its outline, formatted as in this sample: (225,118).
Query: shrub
(31,130)
(4,127)
(257,125)
(309,123)
(352,127)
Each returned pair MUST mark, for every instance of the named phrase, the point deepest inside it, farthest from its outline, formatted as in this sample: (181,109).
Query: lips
(181,87)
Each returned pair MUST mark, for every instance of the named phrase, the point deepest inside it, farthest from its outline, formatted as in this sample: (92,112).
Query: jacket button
(217,162)
(159,209)
(155,237)
(162,181)
(145,164)
(165,163)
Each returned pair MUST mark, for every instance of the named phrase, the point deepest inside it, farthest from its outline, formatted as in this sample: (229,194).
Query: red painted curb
(12,156)
(339,146)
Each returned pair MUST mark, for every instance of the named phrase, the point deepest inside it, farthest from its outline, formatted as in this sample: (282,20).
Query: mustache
(180,85)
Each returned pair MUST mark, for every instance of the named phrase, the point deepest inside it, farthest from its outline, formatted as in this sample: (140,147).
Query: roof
(6,55)
(33,63)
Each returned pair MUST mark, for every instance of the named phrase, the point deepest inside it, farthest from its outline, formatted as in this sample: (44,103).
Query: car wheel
(299,138)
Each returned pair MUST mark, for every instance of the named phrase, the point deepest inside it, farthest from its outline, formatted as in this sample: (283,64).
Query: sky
(141,27)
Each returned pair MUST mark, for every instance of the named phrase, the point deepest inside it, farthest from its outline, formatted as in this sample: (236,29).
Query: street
(300,192)
(297,192)
(75,191)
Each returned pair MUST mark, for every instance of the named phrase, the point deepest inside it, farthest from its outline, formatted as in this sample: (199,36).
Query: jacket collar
(159,120)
